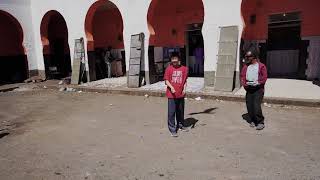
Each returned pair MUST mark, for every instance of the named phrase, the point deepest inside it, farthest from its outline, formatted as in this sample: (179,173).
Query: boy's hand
(184,91)
(173,90)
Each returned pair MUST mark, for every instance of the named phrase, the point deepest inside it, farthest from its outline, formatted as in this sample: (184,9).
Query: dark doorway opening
(13,60)
(56,52)
(286,52)
(195,50)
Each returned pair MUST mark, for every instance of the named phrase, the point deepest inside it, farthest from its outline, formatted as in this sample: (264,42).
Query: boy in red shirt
(176,80)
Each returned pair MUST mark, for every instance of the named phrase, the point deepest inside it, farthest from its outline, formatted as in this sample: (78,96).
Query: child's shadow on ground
(191,122)
(207,111)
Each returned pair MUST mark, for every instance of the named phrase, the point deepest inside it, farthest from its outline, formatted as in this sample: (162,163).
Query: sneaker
(184,129)
(260,127)
(174,135)
(252,124)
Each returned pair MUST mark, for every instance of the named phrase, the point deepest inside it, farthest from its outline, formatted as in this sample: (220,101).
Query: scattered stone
(70,89)
(45,87)
(110,104)
(161,175)
(61,82)
(267,105)
(87,175)
(62,89)
(57,173)
(198,99)
(119,157)
(34,79)
(79,91)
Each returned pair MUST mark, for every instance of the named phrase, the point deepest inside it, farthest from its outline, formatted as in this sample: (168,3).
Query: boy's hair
(175,55)
(254,51)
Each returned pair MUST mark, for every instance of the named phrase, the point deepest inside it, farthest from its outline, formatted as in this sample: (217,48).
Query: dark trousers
(175,114)
(254,99)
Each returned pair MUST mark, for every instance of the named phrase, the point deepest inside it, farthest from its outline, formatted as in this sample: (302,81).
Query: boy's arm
(264,73)
(170,86)
(243,77)
(184,88)
(167,82)
(185,83)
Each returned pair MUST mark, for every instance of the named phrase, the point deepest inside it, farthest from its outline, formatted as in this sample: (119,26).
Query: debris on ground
(57,173)
(87,175)
(28,87)
(62,89)
(218,100)
(35,79)
(71,89)
(198,99)
(267,105)
(66,80)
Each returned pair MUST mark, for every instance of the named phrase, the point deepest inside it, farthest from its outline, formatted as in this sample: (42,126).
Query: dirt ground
(73,136)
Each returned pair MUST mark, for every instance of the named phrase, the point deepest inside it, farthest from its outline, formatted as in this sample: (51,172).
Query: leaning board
(136,57)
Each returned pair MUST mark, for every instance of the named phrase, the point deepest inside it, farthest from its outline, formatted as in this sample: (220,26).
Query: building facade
(38,36)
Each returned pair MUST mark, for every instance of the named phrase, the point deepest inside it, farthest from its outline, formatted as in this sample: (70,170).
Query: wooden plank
(136,57)
(78,57)
(227,59)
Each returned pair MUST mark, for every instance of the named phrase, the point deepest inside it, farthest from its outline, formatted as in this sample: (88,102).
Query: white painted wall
(217,14)
(134,14)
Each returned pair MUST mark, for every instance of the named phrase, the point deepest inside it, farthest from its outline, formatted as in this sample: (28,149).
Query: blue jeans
(175,114)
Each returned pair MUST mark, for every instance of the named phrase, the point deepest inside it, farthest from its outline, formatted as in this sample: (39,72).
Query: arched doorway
(13,60)
(56,52)
(175,26)
(104,31)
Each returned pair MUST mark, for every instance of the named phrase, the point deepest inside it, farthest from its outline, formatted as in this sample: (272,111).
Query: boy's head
(175,59)
(251,55)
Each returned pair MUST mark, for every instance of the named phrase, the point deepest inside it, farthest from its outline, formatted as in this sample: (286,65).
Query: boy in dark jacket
(253,79)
